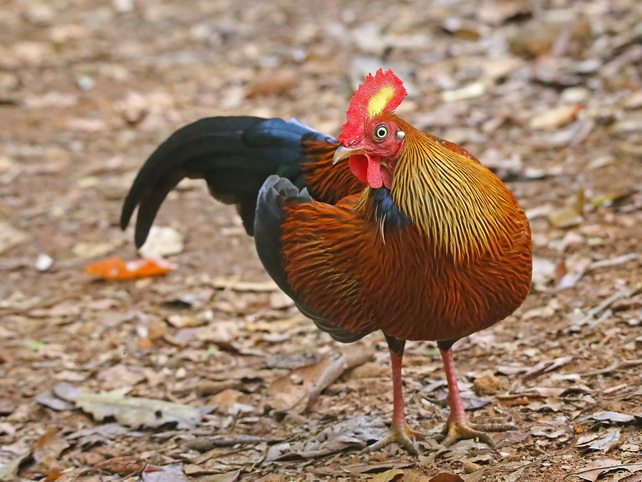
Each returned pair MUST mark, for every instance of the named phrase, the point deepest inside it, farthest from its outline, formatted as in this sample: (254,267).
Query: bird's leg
(457,427)
(400,432)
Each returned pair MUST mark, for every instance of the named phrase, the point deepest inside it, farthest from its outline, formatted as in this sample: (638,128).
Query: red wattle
(367,170)
(359,167)
(387,177)
(374,174)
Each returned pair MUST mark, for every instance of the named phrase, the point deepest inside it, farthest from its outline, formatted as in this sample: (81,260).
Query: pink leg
(398,405)
(457,426)
(400,432)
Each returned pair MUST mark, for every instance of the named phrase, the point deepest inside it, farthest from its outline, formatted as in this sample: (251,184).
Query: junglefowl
(385,228)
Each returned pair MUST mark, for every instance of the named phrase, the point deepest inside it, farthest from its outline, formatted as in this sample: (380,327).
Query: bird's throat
(371,170)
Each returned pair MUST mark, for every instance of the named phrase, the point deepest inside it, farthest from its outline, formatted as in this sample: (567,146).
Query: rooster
(384,228)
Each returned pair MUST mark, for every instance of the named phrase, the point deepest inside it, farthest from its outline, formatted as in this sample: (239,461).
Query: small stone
(576,95)
(43,262)
(84,82)
(161,242)
(296,379)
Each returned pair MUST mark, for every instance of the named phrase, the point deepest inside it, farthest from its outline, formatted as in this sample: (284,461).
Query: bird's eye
(381,132)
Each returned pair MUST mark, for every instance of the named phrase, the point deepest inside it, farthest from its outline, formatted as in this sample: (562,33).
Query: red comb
(380,93)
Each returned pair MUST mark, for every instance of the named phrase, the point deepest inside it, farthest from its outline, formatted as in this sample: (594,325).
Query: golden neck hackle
(461,207)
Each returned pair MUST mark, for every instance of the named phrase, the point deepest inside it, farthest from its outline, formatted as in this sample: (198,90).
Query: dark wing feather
(276,193)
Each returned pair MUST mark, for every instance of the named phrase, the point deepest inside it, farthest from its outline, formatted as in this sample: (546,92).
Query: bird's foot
(462,429)
(401,434)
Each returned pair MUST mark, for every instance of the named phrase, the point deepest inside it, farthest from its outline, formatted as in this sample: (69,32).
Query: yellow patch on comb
(381,92)
(379,101)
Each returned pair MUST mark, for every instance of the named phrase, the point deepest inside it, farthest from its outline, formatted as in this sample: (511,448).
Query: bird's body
(411,236)
(461,248)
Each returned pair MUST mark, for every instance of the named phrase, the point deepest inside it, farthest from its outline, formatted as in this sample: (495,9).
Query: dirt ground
(205,374)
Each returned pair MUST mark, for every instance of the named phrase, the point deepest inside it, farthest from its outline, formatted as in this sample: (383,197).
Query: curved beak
(343,153)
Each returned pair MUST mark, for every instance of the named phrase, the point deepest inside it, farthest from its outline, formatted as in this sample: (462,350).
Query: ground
(205,374)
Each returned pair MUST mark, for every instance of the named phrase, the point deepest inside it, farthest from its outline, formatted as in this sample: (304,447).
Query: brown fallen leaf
(10,237)
(570,135)
(569,272)
(299,389)
(49,400)
(227,477)
(205,444)
(393,464)
(124,466)
(130,411)
(49,443)
(571,214)
(225,398)
(47,451)
(595,469)
(555,118)
(206,387)
(610,416)
(97,435)
(164,473)
(7,405)
(9,468)
(388,475)
(462,28)
(496,13)
(546,366)
(294,390)
(276,83)
(446,477)
(607,442)
(514,402)
(487,384)
(631,478)
(357,433)
(118,376)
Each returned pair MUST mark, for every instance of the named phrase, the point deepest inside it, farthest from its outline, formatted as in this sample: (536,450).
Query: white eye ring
(381,132)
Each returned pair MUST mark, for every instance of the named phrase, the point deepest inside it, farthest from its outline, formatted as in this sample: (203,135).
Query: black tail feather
(233,154)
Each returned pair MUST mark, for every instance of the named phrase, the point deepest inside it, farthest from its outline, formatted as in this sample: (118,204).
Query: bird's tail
(233,154)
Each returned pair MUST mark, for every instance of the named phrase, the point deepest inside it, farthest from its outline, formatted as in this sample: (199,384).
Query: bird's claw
(401,434)
(461,430)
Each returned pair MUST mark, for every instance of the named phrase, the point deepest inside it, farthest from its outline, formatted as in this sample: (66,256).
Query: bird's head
(371,136)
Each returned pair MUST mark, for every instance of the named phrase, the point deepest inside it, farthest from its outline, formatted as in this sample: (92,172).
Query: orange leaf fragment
(515,402)
(116,269)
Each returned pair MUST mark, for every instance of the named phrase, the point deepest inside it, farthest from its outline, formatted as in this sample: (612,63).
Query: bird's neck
(458,205)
